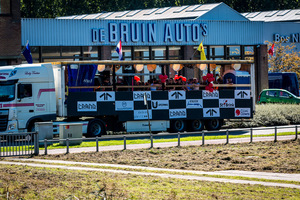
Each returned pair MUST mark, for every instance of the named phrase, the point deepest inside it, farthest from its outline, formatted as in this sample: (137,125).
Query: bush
(271,115)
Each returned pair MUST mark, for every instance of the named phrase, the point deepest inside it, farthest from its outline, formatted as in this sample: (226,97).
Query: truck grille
(3,120)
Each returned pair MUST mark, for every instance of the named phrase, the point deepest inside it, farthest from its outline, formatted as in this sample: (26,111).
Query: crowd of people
(153,84)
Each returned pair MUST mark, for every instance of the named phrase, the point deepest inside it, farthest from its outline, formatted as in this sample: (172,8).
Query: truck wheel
(178,125)
(213,124)
(95,128)
(31,126)
(196,125)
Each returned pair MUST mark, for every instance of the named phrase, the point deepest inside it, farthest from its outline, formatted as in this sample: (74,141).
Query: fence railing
(179,137)
(18,144)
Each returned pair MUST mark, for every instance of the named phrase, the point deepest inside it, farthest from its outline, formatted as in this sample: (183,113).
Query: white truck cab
(27,95)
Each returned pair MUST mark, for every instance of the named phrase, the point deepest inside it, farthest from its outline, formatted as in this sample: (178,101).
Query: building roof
(274,16)
(198,11)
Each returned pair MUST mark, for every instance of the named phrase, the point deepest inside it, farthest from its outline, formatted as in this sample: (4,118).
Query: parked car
(277,96)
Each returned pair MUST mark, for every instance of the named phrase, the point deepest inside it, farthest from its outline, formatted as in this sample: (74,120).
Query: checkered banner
(162,105)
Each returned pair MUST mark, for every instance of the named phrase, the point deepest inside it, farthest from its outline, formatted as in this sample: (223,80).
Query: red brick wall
(10,33)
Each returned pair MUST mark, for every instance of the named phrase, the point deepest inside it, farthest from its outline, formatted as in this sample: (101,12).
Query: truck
(42,92)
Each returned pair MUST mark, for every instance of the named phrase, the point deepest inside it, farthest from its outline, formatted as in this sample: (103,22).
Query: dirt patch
(281,157)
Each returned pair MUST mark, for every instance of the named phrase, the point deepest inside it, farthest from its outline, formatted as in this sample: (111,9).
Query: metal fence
(18,144)
(178,135)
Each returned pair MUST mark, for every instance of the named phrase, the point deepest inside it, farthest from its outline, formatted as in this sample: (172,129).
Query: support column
(261,69)
(188,52)
(104,52)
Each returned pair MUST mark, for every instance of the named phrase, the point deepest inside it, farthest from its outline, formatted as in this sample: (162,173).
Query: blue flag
(27,53)
(84,76)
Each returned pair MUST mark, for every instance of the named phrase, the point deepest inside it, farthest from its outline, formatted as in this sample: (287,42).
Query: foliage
(56,8)
(285,58)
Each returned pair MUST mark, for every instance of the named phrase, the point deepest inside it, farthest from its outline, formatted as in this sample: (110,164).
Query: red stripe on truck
(17,105)
(45,90)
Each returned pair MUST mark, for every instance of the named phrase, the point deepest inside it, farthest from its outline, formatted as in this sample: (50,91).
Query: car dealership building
(162,33)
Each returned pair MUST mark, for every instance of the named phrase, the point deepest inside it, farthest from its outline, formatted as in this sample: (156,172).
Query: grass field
(22,182)
(44,183)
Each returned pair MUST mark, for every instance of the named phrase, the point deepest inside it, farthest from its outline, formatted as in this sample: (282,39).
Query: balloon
(136,78)
(161,76)
(210,85)
(163,80)
(165,76)
(206,88)
(210,79)
(211,89)
(204,78)
(176,77)
(209,75)
(184,79)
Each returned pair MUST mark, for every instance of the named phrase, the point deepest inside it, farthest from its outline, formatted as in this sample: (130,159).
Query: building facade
(10,34)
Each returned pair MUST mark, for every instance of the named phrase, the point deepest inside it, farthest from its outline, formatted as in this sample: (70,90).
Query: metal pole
(178,139)
(124,142)
(45,145)
(275,139)
(97,144)
(151,138)
(67,142)
(251,135)
(227,136)
(146,104)
(36,144)
(296,132)
(202,138)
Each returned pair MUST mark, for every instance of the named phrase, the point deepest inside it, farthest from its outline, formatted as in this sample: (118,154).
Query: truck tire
(96,127)
(178,125)
(195,125)
(213,124)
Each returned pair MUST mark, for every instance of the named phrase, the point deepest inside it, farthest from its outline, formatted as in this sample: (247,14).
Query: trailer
(75,91)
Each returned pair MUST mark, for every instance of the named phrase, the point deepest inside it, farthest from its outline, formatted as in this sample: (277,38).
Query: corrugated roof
(181,12)
(274,16)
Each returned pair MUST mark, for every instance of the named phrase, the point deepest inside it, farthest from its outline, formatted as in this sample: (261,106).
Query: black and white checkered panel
(162,105)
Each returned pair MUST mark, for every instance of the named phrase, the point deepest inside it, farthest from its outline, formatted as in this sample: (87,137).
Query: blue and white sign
(139,96)
(177,113)
(142,114)
(124,105)
(210,95)
(227,103)
(194,103)
(211,112)
(242,94)
(105,96)
(160,104)
(177,95)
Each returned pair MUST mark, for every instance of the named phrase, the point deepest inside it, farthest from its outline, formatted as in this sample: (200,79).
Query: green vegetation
(55,8)
(22,182)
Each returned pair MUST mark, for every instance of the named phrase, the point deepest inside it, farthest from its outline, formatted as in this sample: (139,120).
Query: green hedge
(271,115)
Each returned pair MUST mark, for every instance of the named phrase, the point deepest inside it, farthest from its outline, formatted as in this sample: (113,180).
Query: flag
(202,52)
(271,50)
(119,50)
(27,53)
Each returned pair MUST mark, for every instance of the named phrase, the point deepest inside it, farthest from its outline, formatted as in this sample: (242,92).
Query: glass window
(7,91)
(24,90)
(271,93)
(5,7)
(283,94)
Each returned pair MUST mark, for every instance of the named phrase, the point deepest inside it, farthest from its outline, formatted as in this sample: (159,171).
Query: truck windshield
(7,91)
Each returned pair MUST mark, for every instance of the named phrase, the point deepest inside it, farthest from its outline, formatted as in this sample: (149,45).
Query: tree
(285,58)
